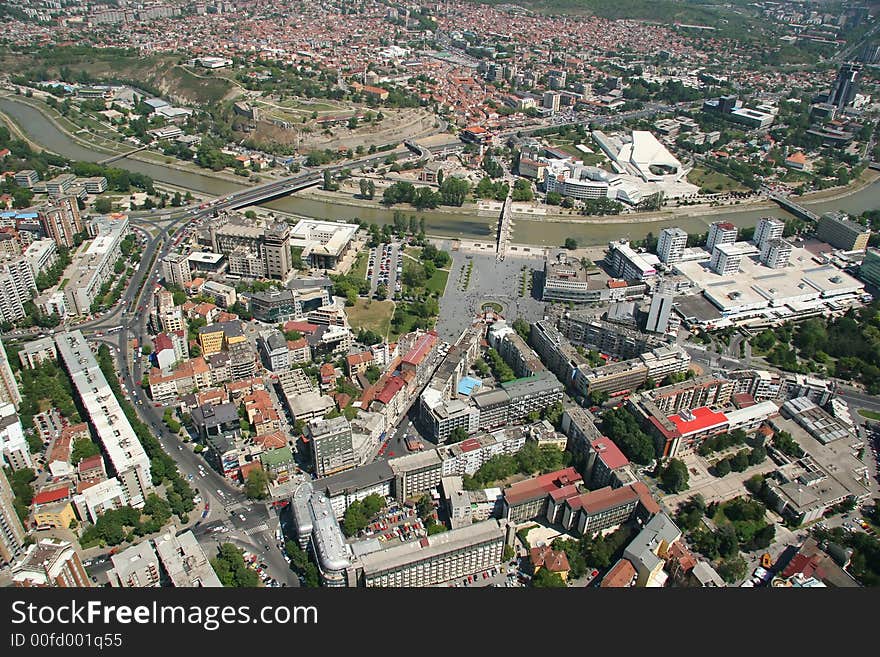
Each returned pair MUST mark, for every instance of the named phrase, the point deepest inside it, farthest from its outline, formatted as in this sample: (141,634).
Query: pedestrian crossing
(250,531)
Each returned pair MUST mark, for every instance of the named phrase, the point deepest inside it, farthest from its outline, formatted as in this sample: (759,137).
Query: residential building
(776,253)
(253,249)
(846,85)
(605,508)
(12,532)
(671,244)
(50,563)
(185,562)
(316,525)
(416,473)
(26,178)
(721,232)
(61,221)
(40,255)
(14,448)
(869,270)
(120,444)
(93,266)
(649,549)
(97,498)
(726,258)
(768,228)
(11,307)
(332,448)
(176,269)
(19,271)
(135,567)
(527,500)
(9,392)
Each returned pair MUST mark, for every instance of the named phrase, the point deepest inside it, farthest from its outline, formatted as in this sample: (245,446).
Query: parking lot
(384,267)
(396,523)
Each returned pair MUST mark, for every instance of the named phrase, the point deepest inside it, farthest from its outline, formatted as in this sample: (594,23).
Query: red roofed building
(51,495)
(526,500)
(303,327)
(328,375)
(697,424)
(272,440)
(604,458)
(546,557)
(358,363)
(416,359)
(390,399)
(92,469)
(622,575)
(606,508)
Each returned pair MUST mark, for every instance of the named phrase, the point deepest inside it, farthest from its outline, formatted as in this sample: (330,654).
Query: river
(41,130)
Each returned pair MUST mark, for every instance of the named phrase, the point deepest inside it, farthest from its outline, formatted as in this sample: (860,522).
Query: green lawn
(371,315)
(359,271)
(871,415)
(437,282)
(713,181)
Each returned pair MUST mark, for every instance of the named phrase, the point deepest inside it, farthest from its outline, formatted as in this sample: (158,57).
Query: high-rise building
(845,86)
(12,532)
(176,269)
(841,232)
(769,228)
(332,447)
(776,253)
(659,312)
(50,563)
(19,270)
(551,100)
(9,392)
(671,245)
(11,306)
(721,232)
(61,220)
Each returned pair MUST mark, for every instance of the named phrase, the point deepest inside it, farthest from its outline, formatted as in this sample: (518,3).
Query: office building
(841,232)
(323,243)
(435,559)
(185,562)
(416,473)
(527,500)
(626,263)
(120,444)
(135,567)
(176,269)
(14,448)
(50,563)
(776,253)
(869,270)
(768,228)
(671,245)
(254,249)
(12,532)
(846,85)
(332,447)
(721,232)
(316,525)
(659,313)
(567,279)
(9,392)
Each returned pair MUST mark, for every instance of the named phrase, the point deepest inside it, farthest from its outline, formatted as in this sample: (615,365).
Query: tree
(544,579)
(103,205)
(256,485)
(722,468)
(674,477)
(733,569)
(458,434)
(570,243)
(83,448)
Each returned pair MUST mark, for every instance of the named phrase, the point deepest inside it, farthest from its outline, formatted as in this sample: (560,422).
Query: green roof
(276,456)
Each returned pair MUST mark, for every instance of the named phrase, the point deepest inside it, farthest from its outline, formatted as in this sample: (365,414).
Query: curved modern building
(316,521)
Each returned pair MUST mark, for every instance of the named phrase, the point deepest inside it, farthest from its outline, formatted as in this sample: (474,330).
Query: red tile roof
(394,385)
(620,575)
(51,495)
(302,327)
(540,486)
(546,557)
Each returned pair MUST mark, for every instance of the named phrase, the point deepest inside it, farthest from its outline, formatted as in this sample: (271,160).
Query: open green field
(871,415)
(437,282)
(359,271)
(371,315)
(713,181)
